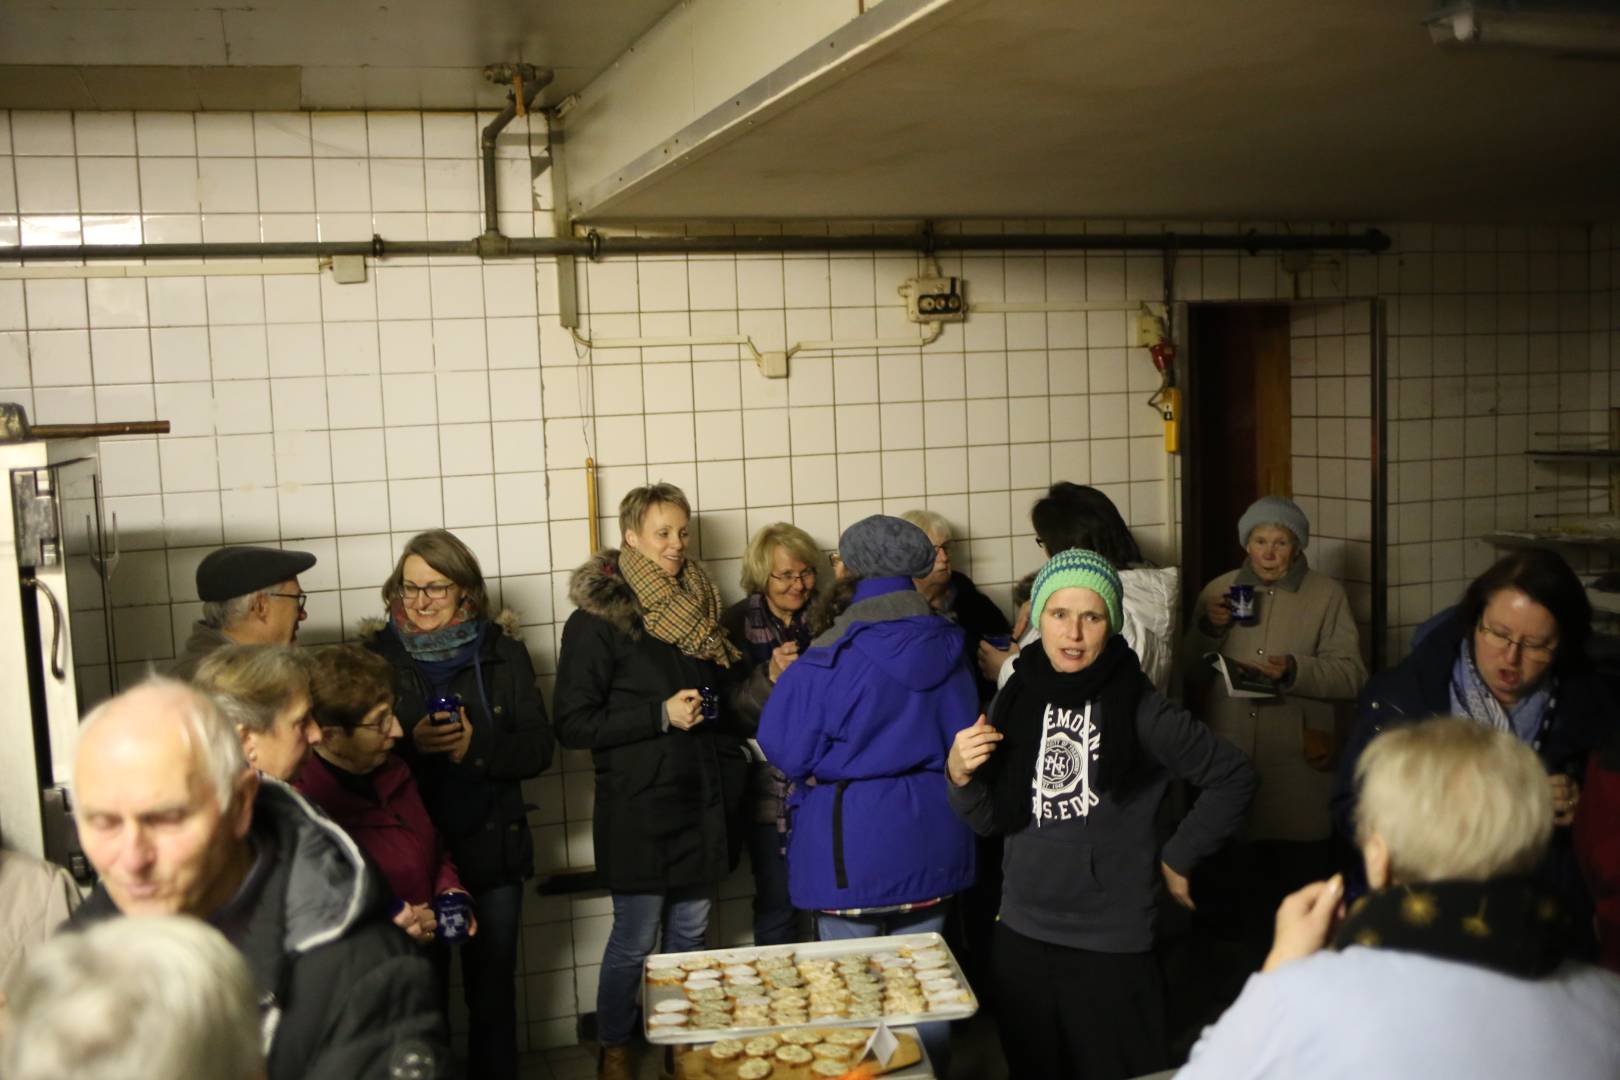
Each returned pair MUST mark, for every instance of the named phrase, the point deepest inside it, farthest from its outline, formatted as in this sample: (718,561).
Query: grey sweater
(1092,882)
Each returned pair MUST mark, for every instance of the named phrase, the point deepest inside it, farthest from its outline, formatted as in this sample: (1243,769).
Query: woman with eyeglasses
(770,626)
(1513,656)
(443,640)
(952,593)
(367,789)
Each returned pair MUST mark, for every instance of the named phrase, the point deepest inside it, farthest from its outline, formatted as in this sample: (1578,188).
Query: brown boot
(615,1064)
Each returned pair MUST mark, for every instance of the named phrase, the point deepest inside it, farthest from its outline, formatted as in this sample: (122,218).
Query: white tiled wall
(342,418)
(1499,341)
(1332,427)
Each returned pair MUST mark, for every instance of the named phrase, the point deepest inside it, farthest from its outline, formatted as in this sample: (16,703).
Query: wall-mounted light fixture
(1590,30)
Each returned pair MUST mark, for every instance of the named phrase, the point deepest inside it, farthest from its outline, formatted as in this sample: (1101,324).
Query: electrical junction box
(935,299)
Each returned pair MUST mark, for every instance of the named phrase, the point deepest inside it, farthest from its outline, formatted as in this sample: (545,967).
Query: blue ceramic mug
(1241,598)
(454,912)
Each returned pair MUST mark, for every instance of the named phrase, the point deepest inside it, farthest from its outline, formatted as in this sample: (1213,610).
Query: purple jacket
(395,832)
(869,712)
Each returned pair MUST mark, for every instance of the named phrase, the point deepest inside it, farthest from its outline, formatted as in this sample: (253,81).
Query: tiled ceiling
(300,54)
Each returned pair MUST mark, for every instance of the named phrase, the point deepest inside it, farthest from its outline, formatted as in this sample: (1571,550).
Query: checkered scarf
(682,610)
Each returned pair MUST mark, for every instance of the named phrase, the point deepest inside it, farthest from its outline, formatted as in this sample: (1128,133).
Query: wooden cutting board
(695,1063)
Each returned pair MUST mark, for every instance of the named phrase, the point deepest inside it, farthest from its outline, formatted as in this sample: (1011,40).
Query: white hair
(220,614)
(134,999)
(214,740)
(930,523)
(1454,799)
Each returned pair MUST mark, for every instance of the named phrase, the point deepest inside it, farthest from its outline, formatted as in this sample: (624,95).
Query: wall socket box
(935,299)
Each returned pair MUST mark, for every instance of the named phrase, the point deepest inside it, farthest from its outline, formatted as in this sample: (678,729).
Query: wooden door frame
(1189,532)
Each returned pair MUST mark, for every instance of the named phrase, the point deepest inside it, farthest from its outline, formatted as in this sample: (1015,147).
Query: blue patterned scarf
(1472,698)
(445,643)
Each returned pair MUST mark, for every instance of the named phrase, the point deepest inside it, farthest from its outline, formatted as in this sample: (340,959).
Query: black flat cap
(236,571)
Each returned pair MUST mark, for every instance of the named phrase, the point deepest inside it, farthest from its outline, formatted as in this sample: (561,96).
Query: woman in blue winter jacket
(861,724)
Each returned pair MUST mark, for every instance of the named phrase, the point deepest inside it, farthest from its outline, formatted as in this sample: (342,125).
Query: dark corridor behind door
(1238,430)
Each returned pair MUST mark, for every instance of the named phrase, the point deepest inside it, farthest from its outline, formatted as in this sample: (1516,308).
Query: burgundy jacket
(395,832)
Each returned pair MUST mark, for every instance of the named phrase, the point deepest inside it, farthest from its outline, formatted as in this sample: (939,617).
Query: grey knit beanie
(884,546)
(1274,510)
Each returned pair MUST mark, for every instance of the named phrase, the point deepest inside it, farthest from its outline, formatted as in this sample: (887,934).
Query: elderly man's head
(1451,800)
(164,800)
(252,595)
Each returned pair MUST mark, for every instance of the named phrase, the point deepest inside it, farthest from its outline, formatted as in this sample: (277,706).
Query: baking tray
(651,995)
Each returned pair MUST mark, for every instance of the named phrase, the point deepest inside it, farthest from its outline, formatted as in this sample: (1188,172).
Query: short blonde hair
(634,506)
(250,684)
(757,560)
(444,551)
(930,523)
(1454,800)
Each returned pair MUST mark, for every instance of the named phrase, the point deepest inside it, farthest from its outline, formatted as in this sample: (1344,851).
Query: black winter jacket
(344,994)
(478,804)
(668,802)
(1419,688)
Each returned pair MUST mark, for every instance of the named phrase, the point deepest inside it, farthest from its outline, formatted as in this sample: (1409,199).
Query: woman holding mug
(1302,637)
(470,754)
(771,627)
(640,680)
(356,779)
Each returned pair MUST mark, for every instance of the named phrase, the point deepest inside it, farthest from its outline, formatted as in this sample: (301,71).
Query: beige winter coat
(1292,739)
(35,898)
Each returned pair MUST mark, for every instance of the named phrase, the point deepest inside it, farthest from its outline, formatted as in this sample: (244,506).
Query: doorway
(1287,399)
(1239,427)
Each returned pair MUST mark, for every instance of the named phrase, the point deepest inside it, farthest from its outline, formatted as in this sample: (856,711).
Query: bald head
(163,800)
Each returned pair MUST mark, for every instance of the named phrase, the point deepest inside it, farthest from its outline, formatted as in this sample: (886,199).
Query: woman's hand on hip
(970,749)
(1305,921)
(1179,887)
(684,710)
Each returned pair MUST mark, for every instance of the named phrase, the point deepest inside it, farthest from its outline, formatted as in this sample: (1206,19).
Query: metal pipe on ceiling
(593,245)
(526,81)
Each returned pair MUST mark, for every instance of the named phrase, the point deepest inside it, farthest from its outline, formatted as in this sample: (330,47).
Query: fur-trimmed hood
(598,588)
(508,620)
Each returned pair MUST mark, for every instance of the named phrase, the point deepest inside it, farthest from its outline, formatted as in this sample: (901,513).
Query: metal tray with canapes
(717,994)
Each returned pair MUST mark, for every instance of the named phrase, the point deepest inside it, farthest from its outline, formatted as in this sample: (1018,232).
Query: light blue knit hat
(1078,568)
(1275,510)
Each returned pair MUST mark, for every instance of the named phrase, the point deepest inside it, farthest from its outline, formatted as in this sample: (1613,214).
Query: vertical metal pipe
(1380,485)
(531,80)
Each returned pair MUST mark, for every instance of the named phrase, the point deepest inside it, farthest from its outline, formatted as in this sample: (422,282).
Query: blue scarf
(1472,698)
(440,654)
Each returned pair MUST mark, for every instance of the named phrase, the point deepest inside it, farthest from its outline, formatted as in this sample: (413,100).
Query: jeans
(683,915)
(936,1038)
(775,920)
(488,966)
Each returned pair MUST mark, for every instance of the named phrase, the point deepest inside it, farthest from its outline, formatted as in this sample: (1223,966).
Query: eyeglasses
(787,578)
(302,598)
(1499,640)
(436,591)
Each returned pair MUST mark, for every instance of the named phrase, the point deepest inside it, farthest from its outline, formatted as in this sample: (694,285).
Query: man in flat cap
(250,596)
